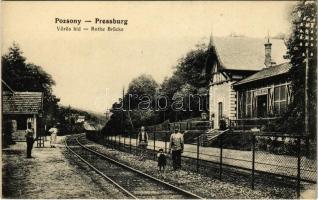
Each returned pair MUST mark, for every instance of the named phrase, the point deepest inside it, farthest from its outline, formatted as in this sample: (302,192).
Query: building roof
(245,53)
(266,73)
(21,102)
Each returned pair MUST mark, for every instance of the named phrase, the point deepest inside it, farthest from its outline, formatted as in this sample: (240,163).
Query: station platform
(49,174)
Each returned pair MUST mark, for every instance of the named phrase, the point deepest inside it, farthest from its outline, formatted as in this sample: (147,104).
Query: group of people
(176,146)
(29,136)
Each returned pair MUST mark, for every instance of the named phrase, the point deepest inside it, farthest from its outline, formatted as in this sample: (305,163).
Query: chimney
(268,53)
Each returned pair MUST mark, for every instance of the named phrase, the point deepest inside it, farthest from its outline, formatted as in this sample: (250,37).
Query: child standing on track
(162,160)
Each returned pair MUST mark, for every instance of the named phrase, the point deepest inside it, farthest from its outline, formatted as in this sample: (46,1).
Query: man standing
(142,141)
(176,148)
(29,140)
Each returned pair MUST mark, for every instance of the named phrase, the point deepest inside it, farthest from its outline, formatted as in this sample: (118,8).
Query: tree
(143,85)
(22,76)
(191,68)
(134,111)
(188,79)
(302,40)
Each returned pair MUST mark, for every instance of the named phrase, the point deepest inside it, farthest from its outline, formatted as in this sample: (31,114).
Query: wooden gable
(219,75)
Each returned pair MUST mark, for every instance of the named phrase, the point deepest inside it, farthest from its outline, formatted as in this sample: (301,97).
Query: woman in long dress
(53,132)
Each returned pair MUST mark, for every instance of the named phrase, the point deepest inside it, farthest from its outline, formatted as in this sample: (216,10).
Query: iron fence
(253,157)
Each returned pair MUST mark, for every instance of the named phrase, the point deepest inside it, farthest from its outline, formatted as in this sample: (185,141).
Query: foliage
(128,113)
(188,80)
(144,85)
(191,67)
(301,14)
(23,76)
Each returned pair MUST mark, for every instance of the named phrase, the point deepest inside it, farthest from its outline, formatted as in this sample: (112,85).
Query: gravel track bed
(201,185)
(102,188)
(138,185)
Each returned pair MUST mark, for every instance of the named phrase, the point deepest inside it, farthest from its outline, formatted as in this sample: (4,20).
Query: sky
(91,68)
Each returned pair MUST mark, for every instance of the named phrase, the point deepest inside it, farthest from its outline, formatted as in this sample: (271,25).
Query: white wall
(225,94)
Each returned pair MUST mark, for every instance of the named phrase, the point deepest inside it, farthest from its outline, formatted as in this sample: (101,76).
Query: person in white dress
(53,131)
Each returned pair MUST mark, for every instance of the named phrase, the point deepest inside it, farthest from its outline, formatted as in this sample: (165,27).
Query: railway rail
(134,183)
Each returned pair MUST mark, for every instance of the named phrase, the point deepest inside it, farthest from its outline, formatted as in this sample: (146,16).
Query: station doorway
(262,106)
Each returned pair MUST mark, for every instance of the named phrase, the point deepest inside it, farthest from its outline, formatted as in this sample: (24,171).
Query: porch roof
(266,73)
(21,102)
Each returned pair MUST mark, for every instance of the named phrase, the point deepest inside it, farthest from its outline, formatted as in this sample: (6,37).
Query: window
(21,122)
(280,99)
(248,104)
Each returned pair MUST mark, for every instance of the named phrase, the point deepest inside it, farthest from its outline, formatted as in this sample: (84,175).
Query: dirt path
(52,173)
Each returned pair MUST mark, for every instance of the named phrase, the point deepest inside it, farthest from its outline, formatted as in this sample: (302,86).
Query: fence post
(115,142)
(129,142)
(243,125)
(298,165)
(166,134)
(253,160)
(118,144)
(124,142)
(154,145)
(198,152)
(221,156)
(137,144)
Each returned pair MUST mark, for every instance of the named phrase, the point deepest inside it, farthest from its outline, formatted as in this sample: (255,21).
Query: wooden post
(154,144)
(34,126)
(221,156)
(124,141)
(166,138)
(137,144)
(253,161)
(198,152)
(129,142)
(119,142)
(298,166)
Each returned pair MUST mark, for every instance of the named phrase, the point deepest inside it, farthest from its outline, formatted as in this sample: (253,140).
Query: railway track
(134,183)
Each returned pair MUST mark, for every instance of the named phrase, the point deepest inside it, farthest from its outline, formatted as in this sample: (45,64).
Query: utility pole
(307,39)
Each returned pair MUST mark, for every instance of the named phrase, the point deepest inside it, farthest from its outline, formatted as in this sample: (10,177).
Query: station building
(20,110)
(248,78)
